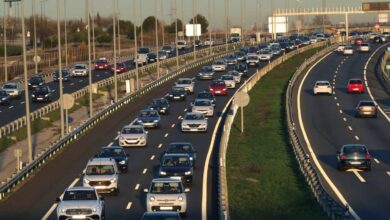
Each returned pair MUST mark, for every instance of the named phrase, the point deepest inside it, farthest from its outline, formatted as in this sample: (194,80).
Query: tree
(172,27)
(200,19)
(317,20)
(149,24)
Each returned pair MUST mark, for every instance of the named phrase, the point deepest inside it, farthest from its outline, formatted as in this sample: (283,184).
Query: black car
(287,46)
(353,156)
(118,154)
(161,216)
(206,72)
(151,57)
(149,118)
(177,93)
(182,148)
(177,165)
(5,98)
(161,105)
(207,95)
(42,94)
(242,68)
(36,81)
(65,75)
(240,55)
(144,50)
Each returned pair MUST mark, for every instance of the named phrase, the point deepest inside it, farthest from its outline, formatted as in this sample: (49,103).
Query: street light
(89,60)
(65,35)
(35,36)
(135,44)
(156,29)
(193,27)
(114,39)
(60,69)
(177,49)
(5,43)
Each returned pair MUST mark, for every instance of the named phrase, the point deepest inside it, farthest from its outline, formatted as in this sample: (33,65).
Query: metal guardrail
(385,73)
(44,156)
(20,122)
(223,204)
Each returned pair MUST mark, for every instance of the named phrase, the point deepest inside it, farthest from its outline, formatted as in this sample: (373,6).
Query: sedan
(82,69)
(177,93)
(353,156)
(242,68)
(120,67)
(182,148)
(163,55)
(265,55)
(36,81)
(240,55)
(219,65)
(101,64)
(5,98)
(348,50)
(367,109)
(322,87)
(65,75)
(364,47)
(194,122)
(177,165)
(187,83)
(203,106)
(355,85)
(151,58)
(252,61)
(236,75)
(231,59)
(133,136)
(229,81)
(161,105)
(118,154)
(42,94)
(149,118)
(207,95)
(206,72)
(13,89)
(169,49)
(218,87)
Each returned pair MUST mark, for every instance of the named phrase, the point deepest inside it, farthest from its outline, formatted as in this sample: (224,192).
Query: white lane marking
(185,109)
(97,75)
(160,145)
(345,119)
(72,84)
(173,125)
(311,152)
(11,107)
(22,103)
(166,135)
(152,157)
(388,173)
(368,88)
(334,93)
(334,76)
(129,205)
(116,138)
(341,111)
(357,138)
(110,144)
(334,87)
(180,117)
(338,104)
(144,171)
(136,187)
(376,161)
(357,174)
(81,81)
(0,111)
(350,128)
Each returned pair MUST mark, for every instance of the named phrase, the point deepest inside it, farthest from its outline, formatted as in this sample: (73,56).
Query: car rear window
(322,83)
(355,81)
(355,149)
(368,103)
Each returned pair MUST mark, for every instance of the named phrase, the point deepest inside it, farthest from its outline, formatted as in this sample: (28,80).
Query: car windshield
(43,89)
(179,148)
(64,72)
(120,64)
(151,55)
(252,58)
(234,73)
(367,103)
(218,62)
(9,86)
(240,66)
(111,152)
(348,48)
(184,81)
(162,217)
(364,44)
(76,195)
(194,117)
(354,149)
(355,81)
(167,48)
(143,50)
(232,57)
(166,188)
(227,77)
(322,83)
(218,83)
(97,61)
(178,89)
(202,103)
(148,114)
(36,79)
(176,161)
(160,102)
(207,69)
(81,67)
(132,130)
(100,170)
(205,95)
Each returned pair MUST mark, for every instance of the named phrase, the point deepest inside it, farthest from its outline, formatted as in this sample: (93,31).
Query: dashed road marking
(22,103)
(388,173)
(110,144)
(144,171)
(376,161)
(116,138)
(357,174)
(356,137)
(166,135)
(152,157)
(72,84)
(334,93)
(338,104)
(160,145)
(129,205)
(136,187)
(173,125)
(335,98)
(81,80)
(341,111)
(11,107)
(180,117)
(345,119)
(185,109)
(350,128)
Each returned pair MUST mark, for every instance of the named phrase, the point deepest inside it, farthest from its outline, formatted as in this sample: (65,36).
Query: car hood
(177,93)
(148,118)
(99,177)
(194,121)
(175,169)
(158,106)
(201,107)
(89,204)
(132,135)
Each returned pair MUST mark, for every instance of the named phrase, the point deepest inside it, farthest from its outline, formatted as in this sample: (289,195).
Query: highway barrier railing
(228,116)
(7,187)
(21,122)
(385,71)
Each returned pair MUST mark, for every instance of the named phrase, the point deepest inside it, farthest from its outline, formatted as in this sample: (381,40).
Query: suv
(177,165)
(166,194)
(161,105)
(36,81)
(102,174)
(149,118)
(187,83)
(219,65)
(42,94)
(13,89)
(80,202)
(118,154)
(133,135)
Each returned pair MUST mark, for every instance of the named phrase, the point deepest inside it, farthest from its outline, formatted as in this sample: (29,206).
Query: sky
(76,9)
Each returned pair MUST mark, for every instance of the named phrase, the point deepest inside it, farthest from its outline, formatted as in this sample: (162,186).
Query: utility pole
(162,23)
(156,30)
(93,31)
(142,26)
(135,43)
(35,35)
(5,43)
(89,60)
(257,19)
(323,16)
(114,39)
(66,36)
(209,28)
(193,27)
(242,21)
(227,24)
(176,48)
(60,69)
(119,30)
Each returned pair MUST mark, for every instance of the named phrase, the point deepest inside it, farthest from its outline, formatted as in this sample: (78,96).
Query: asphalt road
(37,196)
(329,123)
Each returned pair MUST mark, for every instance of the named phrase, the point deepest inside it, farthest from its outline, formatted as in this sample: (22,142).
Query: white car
(194,122)
(265,55)
(322,87)
(133,136)
(340,48)
(13,89)
(208,42)
(364,47)
(252,61)
(102,174)
(219,65)
(181,45)
(236,75)
(79,70)
(348,50)
(229,81)
(204,106)
(187,83)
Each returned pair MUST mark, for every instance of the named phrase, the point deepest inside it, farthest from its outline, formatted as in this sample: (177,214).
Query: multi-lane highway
(328,122)
(36,199)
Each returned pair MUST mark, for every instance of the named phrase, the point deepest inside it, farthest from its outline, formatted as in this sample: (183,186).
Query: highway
(36,199)
(328,122)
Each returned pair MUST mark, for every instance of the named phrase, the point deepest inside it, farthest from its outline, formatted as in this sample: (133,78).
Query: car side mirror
(58,200)
(146,190)
(186,190)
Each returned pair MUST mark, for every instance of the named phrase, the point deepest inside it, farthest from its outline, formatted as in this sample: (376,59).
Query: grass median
(264,180)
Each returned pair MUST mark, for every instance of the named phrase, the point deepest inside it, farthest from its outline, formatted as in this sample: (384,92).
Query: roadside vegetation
(264,180)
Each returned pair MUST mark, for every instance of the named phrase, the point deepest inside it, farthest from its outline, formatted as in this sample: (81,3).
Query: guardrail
(20,122)
(223,204)
(44,156)
(385,72)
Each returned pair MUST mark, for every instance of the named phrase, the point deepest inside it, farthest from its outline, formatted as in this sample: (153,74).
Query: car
(181,45)
(242,68)
(353,156)
(358,41)
(163,55)
(204,106)
(218,87)
(276,49)
(366,109)
(42,94)
(102,174)
(348,50)
(208,42)
(206,72)
(364,47)
(231,59)
(166,194)
(229,81)
(161,216)
(219,66)
(13,89)
(322,87)
(121,67)
(305,40)
(236,75)
(313,39)
(320,37)
(65,75)
(194,122)
(36,81)
(149,118)
(168,49)
(187,83)
(379,39)
(151,58)
(207,95)
(252,61)
(80,202)
(177,93)
(265,55)
(177,165)
(240,55)
(182,148)
(253,51)
(133,136)
(82,69)
(298,43)
(101,64)
(141,57)
(355,85)
(197,43)
(340,48)
(5,98)
(287,46)
(118,154)
(161,105)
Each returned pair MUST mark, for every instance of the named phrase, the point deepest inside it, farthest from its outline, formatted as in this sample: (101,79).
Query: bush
(12,50)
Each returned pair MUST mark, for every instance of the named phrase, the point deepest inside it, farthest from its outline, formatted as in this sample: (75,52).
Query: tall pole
(162,23)
(346,27)
(135,43)
(66,36)
(60,69)
(156,30)
(209,29)
(35,34)
(26,96)
(182,17)
(242,20)
(93,32)
(227,24)
(114,39)
(89,60)
(142,28)
(5,43)
(193,27)
(257,19)
(177,49)
(119,30)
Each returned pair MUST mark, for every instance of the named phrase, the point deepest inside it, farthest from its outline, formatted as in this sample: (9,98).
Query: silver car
(13,89)
(194,122)
(206,72)
(102,174)
(80,203)
(80,70)
(219,65)
(166,194)
(229,81)
(204,106)
(236,75)
(187,83)
(133,136)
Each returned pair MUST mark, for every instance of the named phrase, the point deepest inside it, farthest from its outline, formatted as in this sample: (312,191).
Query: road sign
(68,101)
(241,99)
(375,6)
(37,59)
(383,18)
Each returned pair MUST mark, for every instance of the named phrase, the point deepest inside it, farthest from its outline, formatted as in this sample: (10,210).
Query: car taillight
(105,65)
(343,156)
(211,89)
(224,89)
(367,156)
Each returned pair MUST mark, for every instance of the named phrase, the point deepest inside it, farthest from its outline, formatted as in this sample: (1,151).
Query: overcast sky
(76,9)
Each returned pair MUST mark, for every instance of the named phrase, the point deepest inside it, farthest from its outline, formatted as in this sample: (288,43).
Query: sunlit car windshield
(79,195)
(176,161)
(100,170)
(166,188)
(178,89)
(202,103)
(110,152)
(9,86)
(132,130)
(194,117)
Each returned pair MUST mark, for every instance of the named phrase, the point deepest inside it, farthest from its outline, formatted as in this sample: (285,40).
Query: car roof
(194,113)
(181,143)
(112,147)
(164,214)
(207,100)
(322,81)
(101,161)
(133,126)
(176,154)
(358,145)
(156,180)
(80,188)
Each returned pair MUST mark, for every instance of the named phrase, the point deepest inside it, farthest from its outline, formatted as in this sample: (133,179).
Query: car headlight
(181,95)
(188,173)
(200,74)
(113,180)
(62,210)
(191,158)
(155,121)
(180,198)
(152,198)
(163,173)
(121,138)
(94,209)
(123,162)
(142,138)
(46,95)
(139,121)
(170,95)
(29,84)
(3,99)
(40,83)
(164,108)
(33,95)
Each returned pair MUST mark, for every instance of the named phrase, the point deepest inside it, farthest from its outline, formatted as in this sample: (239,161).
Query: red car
(355,85)
(359,41)
(218,87)
(101,64)
(121,67)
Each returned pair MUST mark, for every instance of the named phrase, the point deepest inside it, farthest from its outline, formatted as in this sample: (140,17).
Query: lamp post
(156,30)
(5,43)
(93,31)
(89,60)
(35,35)
(142,29)
(176,48)
(66,35)
(227,24)
(119,30)
(60,69)
(114,39)
(193,27)
(135,44)
(209,29)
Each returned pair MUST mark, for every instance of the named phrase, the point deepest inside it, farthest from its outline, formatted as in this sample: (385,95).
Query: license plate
(100,67)
(217,92)
(366,113)
(40,98)
(355,89)
(176,97)
(166,208)
(79,217)
(355,162)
